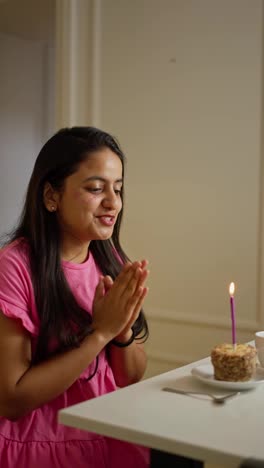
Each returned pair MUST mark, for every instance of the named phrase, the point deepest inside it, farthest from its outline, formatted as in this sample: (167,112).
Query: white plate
(205,373)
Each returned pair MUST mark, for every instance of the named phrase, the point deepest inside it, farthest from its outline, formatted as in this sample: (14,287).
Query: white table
(178,424)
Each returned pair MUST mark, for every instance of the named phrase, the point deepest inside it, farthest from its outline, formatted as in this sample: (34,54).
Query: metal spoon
(216,399)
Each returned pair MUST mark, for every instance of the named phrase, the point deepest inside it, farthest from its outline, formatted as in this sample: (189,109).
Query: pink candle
(233,316)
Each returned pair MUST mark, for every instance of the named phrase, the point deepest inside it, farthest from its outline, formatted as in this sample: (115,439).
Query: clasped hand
(117,304)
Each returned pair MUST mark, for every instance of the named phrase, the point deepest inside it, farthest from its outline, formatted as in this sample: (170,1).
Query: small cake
(234,364)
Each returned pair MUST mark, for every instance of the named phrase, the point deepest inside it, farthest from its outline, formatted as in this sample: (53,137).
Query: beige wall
(179,82)
(28,19)
(181,88)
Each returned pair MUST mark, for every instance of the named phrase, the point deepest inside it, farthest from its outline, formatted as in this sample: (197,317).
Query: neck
(74,251)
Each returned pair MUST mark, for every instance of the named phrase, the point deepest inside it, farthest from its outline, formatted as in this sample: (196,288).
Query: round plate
(205,373)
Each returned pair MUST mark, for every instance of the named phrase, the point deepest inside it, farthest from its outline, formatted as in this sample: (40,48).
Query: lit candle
(233,318)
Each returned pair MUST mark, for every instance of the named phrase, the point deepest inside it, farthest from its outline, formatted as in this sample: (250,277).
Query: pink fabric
(37,440)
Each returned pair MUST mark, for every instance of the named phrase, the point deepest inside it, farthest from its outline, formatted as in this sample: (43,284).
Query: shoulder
(16,289)
(15,257)
(18,249)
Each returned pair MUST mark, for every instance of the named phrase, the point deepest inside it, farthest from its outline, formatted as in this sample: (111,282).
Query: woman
(71,324)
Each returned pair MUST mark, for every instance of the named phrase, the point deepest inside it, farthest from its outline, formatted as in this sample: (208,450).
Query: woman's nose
(110,200)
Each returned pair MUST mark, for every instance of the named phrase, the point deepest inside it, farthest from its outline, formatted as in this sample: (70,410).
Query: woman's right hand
(113,309)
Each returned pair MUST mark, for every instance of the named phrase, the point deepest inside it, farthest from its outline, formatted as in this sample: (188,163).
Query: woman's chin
(104,235)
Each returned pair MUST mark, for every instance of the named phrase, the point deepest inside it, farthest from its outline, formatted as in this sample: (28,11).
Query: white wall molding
(260,276)
(48,91)
(207,321)
(73,62)
(96,63)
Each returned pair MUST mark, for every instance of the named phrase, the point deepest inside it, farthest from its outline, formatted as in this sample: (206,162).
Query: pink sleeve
(16,290)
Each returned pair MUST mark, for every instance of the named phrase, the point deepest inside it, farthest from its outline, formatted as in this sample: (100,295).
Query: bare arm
(128,364)
(24,388)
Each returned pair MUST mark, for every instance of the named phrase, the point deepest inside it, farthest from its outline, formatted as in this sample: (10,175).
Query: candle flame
(231,289)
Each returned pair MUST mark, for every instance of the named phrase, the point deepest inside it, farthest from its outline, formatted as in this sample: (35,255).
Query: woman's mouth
(107,220)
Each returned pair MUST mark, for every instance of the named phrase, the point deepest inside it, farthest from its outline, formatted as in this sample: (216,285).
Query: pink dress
(37,440)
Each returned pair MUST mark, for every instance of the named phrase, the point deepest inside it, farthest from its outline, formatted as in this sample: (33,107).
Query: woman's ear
(50,197)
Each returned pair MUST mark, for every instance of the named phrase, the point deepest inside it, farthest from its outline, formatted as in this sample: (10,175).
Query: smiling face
(88,206)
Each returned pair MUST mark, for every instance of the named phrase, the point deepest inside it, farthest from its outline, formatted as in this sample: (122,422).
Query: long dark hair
(61,317)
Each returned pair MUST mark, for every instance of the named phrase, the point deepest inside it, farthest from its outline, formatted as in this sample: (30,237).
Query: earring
(52,208)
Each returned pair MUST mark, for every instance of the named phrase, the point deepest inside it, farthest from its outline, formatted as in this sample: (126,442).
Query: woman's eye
(94,190)
(100,190)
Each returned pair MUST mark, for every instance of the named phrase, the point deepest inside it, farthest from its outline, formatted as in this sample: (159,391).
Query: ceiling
(29,19)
